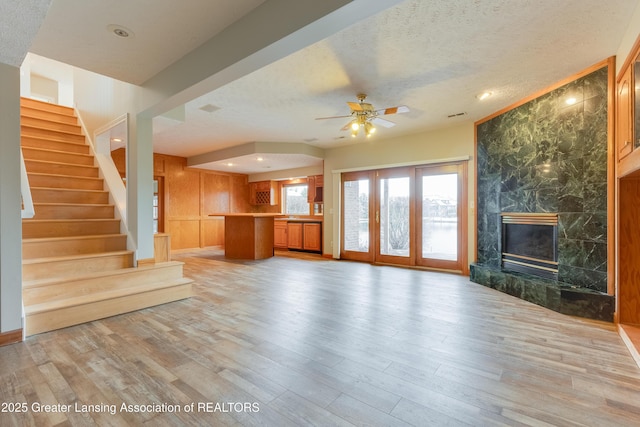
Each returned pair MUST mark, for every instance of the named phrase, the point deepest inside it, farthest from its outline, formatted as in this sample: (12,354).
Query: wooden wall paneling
(239,194)
(185,233)
(119,157)
(183,188)
(212,232)
(216,193)
(629,252)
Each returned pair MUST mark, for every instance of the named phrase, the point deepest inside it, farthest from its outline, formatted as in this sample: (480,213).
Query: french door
(413,216)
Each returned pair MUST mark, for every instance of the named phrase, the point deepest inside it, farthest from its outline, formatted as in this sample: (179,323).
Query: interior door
(394,213)
(441,204)
(357,213)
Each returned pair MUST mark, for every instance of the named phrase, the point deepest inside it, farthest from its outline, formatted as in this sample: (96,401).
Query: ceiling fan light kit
(365,116)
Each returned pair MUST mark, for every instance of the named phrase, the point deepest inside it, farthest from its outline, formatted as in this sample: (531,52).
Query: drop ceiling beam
(272,31)
(255,148)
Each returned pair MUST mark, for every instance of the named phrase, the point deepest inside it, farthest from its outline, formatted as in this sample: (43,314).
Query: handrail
(27,210)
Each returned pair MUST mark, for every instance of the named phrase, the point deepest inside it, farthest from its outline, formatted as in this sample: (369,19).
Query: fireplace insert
(530,243)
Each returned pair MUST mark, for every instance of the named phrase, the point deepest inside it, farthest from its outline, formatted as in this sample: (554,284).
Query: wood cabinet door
(312,237)
(280,234)
(624,122)
(294,235)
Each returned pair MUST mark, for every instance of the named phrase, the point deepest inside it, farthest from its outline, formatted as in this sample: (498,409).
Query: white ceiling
(432,56)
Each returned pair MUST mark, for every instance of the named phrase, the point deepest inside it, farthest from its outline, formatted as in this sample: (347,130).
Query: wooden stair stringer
(76,267)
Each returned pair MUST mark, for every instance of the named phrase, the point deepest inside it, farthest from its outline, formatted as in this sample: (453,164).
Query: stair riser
(47,144)
(51,125)
(74,288)
(78,266)
(54,181)
(56,156)
(45,248)
(48,115)
(52,134)
(45,106)
(39,230)
(51,320)
(73,212)
(61,169)
(52,195)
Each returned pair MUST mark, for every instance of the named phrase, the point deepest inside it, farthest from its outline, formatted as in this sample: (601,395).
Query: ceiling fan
(365,117)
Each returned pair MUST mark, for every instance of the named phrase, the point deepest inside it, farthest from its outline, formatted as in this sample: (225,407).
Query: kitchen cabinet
(312,236)
(625,113)
(304,235)
(263,193)
(280,234)
(315,189)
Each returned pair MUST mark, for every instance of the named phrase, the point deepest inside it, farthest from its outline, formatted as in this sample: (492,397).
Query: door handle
(377,217)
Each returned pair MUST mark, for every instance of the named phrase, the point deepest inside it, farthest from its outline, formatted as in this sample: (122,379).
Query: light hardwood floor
(311,341)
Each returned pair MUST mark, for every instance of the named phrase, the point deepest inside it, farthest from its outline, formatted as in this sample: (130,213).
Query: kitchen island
(248,235)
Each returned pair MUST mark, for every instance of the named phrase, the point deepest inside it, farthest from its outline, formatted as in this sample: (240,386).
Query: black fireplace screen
(529,244)
(535,241)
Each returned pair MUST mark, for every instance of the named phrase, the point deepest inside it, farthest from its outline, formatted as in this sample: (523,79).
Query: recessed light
(229,164)
(484,95)
(120,31)
(116,139)
(209,108)
(571,101)
(259,159)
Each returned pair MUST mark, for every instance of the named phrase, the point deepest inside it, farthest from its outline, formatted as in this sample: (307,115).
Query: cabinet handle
(377,217)
(627,143)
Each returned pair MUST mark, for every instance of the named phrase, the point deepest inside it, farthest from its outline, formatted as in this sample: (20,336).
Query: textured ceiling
(19,23)
(432,56)
(161,32)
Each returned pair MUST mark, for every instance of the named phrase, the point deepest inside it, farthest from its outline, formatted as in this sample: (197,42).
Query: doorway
(413,216)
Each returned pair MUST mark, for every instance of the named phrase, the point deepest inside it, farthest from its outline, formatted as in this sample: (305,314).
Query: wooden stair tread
(87,190)
(64,238)
(63,220)
(74,257)
(49,150)
(53,139)
(27,126)
(71,204)
(102,296)
(49,162)
(87,276)
(64,176)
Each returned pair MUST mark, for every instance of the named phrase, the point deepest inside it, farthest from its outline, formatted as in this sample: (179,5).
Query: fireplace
(530,243)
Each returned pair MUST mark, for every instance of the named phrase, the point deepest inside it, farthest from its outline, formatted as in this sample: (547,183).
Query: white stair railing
(27,210)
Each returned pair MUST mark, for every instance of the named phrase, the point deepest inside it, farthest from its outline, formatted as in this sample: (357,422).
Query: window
(295,199)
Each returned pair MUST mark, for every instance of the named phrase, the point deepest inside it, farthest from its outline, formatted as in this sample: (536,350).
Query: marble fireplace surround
(546,156)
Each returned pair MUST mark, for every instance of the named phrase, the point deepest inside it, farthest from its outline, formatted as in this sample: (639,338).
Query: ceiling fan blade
(333,117)
(355,106)
(382,122)
(393,110)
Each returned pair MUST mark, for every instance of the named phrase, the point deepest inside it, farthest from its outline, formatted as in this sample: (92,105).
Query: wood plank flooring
(298,341)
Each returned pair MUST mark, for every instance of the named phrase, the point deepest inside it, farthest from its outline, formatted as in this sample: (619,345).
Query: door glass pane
(440,217)
(394,216)
(356,215)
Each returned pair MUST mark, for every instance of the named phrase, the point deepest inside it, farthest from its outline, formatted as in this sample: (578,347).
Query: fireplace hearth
(530,243)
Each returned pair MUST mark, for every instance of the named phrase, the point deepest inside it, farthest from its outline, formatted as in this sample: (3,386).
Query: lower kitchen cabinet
(298,235)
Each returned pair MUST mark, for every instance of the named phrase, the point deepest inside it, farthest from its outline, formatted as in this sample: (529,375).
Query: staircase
(76,266)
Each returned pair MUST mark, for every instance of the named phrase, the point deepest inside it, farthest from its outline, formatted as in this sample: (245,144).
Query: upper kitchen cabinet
(628,116)
(315,190)
(263,193)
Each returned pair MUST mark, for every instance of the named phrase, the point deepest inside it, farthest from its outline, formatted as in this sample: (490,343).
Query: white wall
(10,201)
(435,146)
